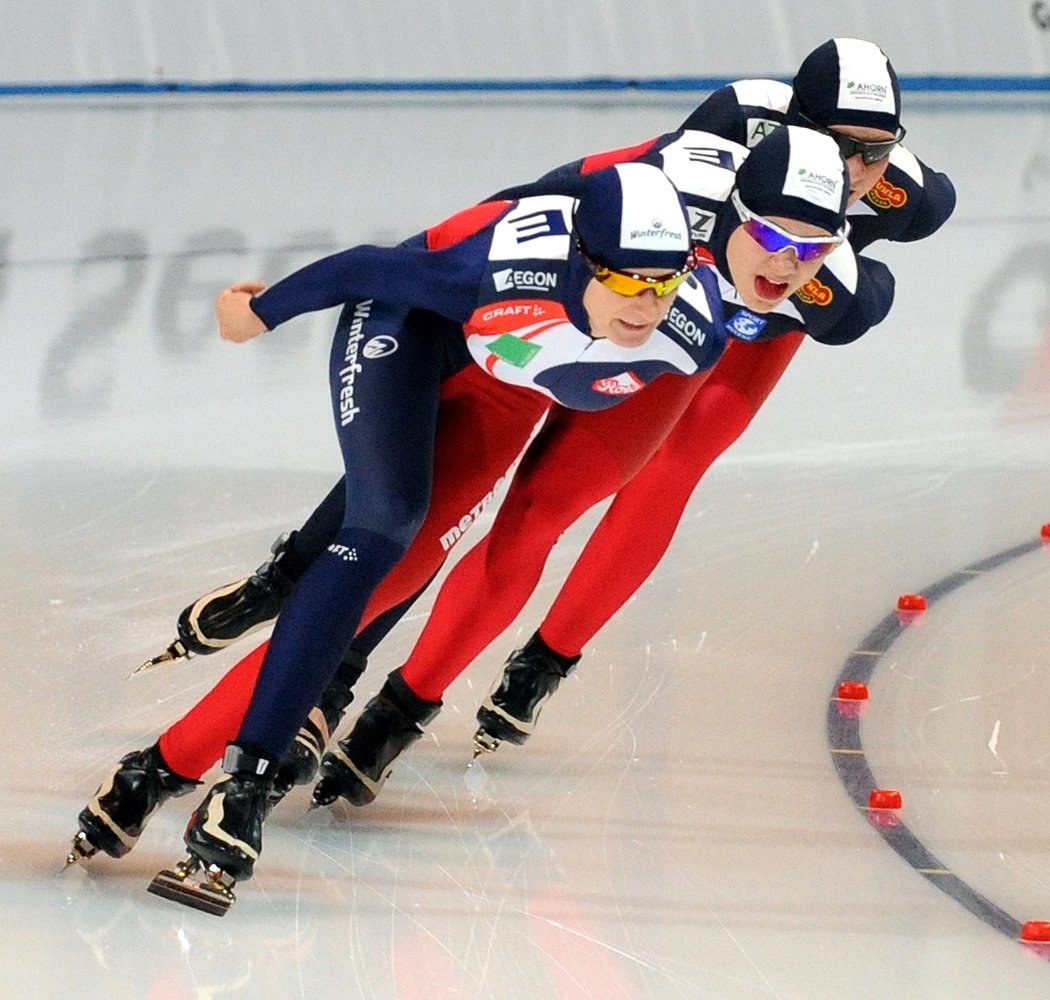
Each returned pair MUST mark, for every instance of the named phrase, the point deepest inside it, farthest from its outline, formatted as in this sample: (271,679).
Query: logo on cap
(819,183)
(876,90)
(656,230)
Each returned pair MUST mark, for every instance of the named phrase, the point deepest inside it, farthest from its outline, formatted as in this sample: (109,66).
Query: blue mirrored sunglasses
(771,238)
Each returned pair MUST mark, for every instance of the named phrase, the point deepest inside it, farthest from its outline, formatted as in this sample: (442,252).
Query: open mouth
(770,291)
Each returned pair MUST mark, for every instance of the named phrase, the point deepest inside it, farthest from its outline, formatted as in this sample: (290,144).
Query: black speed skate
(114,819)
(224,615)
(224,836)
(521,689)
(299,765)
(357,768)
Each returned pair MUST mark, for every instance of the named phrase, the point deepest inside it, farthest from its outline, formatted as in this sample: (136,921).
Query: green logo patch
(513,350)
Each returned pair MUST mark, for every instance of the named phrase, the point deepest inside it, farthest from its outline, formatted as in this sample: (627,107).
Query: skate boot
(114,819)
(360,763)
(224,836)
(299,765)
(521,689)
(223,616)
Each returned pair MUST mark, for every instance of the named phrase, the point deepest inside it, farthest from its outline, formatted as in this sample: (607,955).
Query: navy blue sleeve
(566,179)
(903,205)
(720,113)
(856,312)
(936,205)
(444,281)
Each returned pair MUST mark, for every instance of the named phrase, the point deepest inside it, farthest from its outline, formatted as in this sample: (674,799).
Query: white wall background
(396,40)
(126,216)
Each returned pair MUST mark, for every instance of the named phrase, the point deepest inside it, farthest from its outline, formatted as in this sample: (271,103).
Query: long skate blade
(192,892)
(80,850)
(484,742)
(176,651)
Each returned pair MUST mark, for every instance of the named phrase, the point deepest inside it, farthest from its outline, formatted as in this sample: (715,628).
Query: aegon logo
(532,280)
(683,325)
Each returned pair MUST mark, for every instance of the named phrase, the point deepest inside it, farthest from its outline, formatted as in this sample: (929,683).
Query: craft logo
(815,293)
(519,310)
(623,384)
(379,347)
(534,281)
(344,552)
(887,195)
(745,325)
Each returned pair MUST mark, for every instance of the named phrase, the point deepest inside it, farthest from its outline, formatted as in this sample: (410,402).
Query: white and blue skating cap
(631,216)
(848,81)
(796,173)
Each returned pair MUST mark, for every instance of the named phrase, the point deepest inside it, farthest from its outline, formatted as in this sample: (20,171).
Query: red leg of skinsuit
(478,422)
(577,460)
(602,579)
(491,584)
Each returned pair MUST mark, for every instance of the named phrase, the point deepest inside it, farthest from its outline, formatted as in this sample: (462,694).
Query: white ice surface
(676,827)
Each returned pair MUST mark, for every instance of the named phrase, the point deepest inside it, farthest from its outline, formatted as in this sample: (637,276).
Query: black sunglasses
(869,152)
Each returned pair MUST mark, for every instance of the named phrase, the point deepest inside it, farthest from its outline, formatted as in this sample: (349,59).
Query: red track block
(885,798)
(911,602)
(1036,931)
(1044,532)
(853,691)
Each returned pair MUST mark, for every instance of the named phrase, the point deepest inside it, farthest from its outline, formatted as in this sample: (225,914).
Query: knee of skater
(545,510)
(400,521)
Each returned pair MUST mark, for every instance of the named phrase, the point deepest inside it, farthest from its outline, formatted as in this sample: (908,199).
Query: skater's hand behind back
(237,321)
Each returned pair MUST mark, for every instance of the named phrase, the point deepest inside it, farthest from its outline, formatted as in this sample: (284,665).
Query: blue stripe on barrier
(916,84)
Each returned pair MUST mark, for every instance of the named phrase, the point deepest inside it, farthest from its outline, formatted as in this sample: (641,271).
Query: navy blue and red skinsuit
(617,451)
(399,339)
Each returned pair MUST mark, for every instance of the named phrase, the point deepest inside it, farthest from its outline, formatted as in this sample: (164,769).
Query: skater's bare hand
(237,321)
